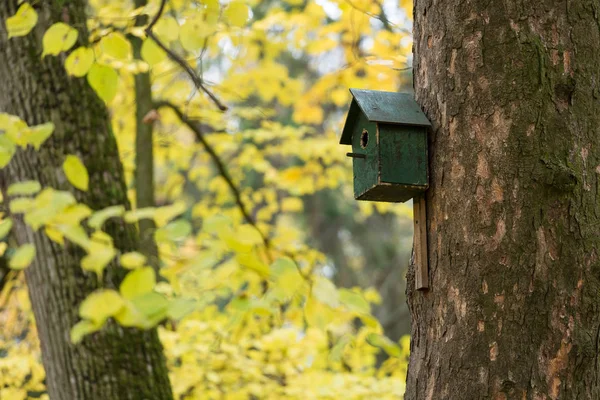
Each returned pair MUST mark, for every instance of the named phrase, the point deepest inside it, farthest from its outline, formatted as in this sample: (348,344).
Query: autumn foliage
(246,308)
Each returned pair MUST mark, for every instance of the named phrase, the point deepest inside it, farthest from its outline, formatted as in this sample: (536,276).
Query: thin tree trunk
(115,363)
(144,151)
(513,90)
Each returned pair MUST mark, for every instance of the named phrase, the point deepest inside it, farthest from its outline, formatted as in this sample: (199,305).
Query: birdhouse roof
(383,107)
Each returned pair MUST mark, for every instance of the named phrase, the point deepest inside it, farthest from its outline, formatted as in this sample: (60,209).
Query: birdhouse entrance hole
(364,139)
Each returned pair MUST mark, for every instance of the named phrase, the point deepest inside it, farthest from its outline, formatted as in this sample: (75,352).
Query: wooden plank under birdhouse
(420,243)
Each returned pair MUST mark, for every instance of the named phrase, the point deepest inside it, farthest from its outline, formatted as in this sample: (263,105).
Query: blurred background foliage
(283,68)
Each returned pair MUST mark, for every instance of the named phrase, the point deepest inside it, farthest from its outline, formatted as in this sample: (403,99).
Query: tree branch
(220,166)
(179,60)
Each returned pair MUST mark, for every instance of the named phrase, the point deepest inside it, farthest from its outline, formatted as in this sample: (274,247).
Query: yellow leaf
(237,13)
(76,172)
(100,305)
(251,261)
(99,217)
(292,204)
(7,150)
(317,314)
(59,37)
(82,328)
(104,80)
(234,243)
(76,234)
(37,135)
(22,22)
(5,226)
(116,46)
(3,247)
(54,235)
(137,283)
(73,214)
(129,316)
(79,62)
(167,213)
(132,260)
(22,257)
(24,188)
(194,32)
(98,258)
(167,29)
(140,213)
(248,234)
(151,53)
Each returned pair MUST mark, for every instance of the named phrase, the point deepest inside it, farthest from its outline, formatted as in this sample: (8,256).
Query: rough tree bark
(513,90)
(116,363)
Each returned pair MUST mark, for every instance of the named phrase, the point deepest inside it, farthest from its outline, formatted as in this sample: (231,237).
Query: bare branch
(179,60)
(193,125)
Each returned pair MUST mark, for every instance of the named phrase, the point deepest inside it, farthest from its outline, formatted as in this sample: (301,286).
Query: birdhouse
(388,135)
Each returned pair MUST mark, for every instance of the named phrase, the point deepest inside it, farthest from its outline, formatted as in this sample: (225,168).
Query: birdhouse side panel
(364,141)
(403,152)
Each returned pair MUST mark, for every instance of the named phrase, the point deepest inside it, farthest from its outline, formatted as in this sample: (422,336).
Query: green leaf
(217,224)
(175,231)
(152,53)
(337,351)
(59,37)
(116,46)
(100,305)
(325,291)
(384,343)
(22,22)
(152,305)
(286,277)
(22,257)
(21,205)
(5,226)
(76,172)
(7,150)
(104,80)
(99,217)
(79,62)
(82,328)
(38,134)
(138,283)
(24,188)
(354,301)
(181,307)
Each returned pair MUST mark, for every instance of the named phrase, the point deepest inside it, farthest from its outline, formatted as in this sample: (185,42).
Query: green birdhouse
(388,134)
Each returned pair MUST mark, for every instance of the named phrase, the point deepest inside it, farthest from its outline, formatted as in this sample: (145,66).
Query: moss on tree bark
(115,363)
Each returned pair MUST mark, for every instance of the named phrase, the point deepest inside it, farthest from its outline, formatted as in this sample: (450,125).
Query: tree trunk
(115,363)
(513,311)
